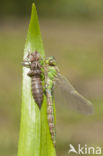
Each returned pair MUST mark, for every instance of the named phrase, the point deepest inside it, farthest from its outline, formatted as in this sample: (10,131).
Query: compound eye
(52,62)
(30,57)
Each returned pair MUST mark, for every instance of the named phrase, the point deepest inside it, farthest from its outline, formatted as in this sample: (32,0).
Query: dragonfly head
(51,61)
(35,56)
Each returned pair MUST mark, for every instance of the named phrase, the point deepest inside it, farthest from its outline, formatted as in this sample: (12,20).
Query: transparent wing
(65,94)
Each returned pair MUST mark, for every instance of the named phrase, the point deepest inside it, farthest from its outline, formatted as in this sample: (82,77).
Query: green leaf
(35,138)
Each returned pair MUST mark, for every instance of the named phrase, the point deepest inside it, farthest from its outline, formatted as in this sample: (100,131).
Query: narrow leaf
(35,139)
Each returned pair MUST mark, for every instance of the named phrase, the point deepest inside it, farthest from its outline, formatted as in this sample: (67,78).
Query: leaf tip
(33,6)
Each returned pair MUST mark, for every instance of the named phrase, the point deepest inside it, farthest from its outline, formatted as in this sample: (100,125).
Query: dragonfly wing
(66,94)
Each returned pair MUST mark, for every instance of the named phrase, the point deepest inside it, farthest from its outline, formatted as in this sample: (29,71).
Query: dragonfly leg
(25,64)
(30,73)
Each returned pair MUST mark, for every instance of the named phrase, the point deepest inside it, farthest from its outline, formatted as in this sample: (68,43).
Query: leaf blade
(35,139)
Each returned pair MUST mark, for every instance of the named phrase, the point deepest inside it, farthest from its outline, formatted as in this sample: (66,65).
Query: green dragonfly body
(56,86)
(50,77)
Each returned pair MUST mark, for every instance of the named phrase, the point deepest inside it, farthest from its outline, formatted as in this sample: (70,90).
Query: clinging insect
(56,86)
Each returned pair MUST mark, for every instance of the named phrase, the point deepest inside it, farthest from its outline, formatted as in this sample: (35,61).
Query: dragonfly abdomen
(35,73)
(37,90)
(50,114)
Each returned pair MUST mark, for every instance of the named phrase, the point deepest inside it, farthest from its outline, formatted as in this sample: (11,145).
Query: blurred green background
(72,32)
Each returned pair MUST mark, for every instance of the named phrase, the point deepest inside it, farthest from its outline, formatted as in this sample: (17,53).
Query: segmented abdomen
(37,90)
(50,112)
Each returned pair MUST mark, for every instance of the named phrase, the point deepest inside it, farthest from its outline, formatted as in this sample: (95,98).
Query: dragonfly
(63,89)
(56,86)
